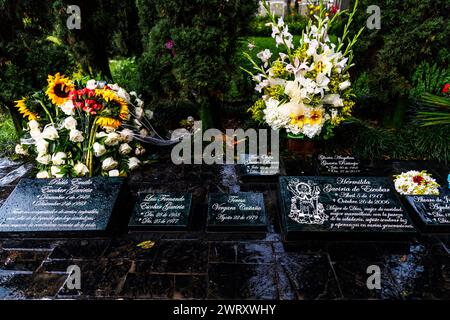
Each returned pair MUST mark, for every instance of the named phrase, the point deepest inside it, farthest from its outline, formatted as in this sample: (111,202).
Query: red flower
(446,88)
(419,180)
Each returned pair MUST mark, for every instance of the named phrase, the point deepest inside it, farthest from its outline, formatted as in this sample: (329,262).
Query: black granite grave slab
(341,207)
(53,206)
(431,212)
(161,211)
(253,167)
(236,212)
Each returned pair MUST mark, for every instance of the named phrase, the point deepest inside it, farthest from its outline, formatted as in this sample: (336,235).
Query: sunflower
(59,88)
(23,109)
(108,122)
(111,97)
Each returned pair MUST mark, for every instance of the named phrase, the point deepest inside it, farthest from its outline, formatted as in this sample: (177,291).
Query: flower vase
(302,147)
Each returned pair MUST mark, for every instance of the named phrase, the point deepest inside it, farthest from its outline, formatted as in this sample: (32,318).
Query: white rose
(59,158)
(36,134)
(80,169)
(91,84)
(101,134)
(68,108)
(99,149)
(139,151)
(109,164)
(42,175)
(41,146)
(121,93)
(127,135)
(113,173)
(20,150)
(344,85)
(56,172)
(144,132)
(149,114)
(125,148)
(137,123)
(133,93)
(33,125)
(139,103)
(139,112)
(76,136)
(50,133)
(114,87)
(109,129)
(133,163)
(70,123)
(44,159)
(112,139)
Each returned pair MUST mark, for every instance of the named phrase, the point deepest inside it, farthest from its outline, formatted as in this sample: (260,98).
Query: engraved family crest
(305,205)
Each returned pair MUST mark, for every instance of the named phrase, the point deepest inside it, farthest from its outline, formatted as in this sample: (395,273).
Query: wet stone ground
(200,265)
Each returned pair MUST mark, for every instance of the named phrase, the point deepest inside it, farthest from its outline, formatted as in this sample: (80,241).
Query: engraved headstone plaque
(341,206)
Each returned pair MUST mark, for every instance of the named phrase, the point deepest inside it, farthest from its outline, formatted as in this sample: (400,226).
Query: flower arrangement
(306,88)
(82,128)
(416,183)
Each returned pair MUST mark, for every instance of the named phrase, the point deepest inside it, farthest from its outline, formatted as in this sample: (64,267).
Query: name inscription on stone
(260,165)
(341,204)
(162,210)
(338,165)
(60,205)
(244,209)
(434,211)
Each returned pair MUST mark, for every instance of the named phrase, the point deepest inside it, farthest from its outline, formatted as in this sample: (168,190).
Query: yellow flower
(23,109)
(108,122)
(315,117)
(298,120)
(59,88)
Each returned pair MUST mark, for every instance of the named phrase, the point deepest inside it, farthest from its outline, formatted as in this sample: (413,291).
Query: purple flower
(169,44)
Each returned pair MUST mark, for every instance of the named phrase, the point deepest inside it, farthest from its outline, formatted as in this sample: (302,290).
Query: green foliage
(429,79)
(124,72)
(27,55)
(411,32)
(440,114)
(258,28)
(198,64)
(108,29)
(8,135)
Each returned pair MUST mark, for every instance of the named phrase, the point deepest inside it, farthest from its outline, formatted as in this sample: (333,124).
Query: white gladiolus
(112,139)
(33,125)
(109,164)
(41,146)
(113,173)
(125,149)
(50,133)
(264,56)
(42,175)
(20,150)
(81,169)
(70,123)
(44,159)
(56,172)
(127,135)
(91,84)
(59,158)
(344,85)
(133,163)
(99,149)
(76,136)
(68,108)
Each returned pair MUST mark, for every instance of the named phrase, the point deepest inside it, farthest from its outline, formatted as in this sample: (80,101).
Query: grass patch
(8,135)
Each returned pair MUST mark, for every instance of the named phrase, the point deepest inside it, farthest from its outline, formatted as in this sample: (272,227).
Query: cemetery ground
(196,264)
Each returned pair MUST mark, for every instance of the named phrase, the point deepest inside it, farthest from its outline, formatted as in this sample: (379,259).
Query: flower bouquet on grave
(82,128)
(415,183)
(305,89)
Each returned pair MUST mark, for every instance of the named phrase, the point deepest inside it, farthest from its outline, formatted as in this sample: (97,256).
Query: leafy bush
(124,71)
(190,50)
